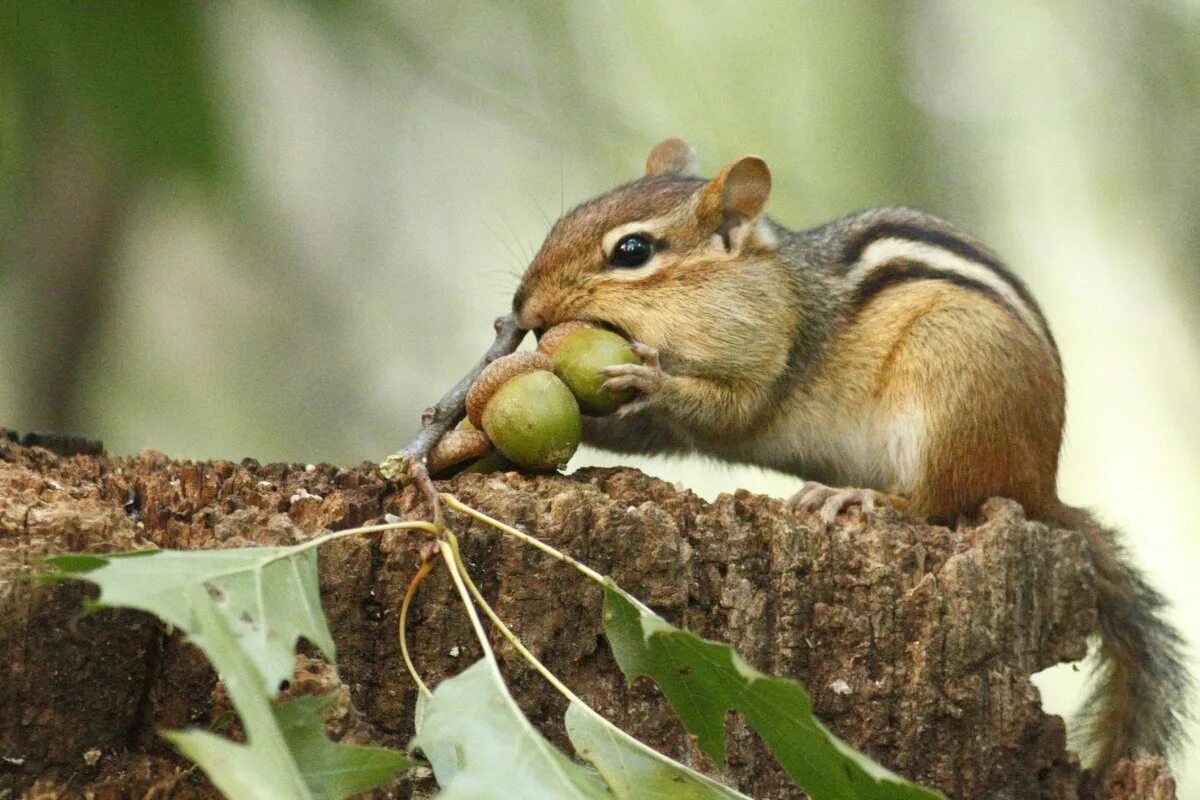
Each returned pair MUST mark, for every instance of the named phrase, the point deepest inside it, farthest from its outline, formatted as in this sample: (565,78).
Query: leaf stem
(458,505)
(507,631)
(421,525)
(541,668)
(452,565)
(402,625)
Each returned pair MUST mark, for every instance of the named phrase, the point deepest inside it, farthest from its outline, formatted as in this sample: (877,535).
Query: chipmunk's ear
(672,157)
(736,198)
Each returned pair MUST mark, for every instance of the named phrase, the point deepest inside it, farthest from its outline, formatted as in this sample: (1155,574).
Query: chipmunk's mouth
(609,326)
(539,332)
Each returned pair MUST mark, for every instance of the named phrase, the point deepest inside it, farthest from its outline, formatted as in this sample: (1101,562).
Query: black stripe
(952,244)
(902,270)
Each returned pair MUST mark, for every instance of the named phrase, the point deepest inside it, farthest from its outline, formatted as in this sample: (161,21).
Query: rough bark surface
(915,641)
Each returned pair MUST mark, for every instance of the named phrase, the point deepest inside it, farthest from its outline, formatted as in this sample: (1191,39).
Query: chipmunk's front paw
(831,501)
(645,378)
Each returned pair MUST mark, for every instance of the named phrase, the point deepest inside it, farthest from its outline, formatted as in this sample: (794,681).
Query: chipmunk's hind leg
(995,396)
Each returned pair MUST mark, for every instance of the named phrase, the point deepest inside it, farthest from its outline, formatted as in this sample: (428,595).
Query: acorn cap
(456,446)
(498,373)
(554,337)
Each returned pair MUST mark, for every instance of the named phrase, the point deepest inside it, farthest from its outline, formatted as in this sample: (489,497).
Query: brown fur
(1000,403)
(770,357)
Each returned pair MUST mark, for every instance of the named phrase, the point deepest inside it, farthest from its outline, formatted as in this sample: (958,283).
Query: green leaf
(268,595)
(333,770)
(632,770)
(481,746)
(71,563)
(286,754)
(703,680)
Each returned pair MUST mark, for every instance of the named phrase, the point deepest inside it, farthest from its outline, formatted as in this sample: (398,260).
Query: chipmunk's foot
(830,501)
(644,378)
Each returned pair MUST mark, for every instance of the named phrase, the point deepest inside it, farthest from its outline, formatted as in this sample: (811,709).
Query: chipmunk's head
(646,257)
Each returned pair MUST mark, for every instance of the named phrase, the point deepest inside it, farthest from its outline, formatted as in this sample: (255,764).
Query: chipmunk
(885,351)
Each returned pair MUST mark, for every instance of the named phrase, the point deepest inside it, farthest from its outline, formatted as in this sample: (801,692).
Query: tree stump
(915,641)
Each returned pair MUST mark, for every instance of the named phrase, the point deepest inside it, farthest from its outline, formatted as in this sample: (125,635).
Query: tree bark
(915,641)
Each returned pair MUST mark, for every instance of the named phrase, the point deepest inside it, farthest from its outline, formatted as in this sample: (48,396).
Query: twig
(410,463)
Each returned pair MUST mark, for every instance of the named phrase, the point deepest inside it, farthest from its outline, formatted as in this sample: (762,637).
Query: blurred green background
(281,229)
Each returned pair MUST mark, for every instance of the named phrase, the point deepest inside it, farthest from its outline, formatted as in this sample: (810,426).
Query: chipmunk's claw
(829,501)
(648,354)
(644,378)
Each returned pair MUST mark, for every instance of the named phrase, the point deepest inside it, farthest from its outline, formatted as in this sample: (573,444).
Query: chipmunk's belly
(875,449)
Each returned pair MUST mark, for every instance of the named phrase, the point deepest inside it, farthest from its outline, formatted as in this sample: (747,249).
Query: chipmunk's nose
(530,321)
(527,313)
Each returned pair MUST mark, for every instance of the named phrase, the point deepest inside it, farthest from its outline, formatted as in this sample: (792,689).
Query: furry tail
(1141,687)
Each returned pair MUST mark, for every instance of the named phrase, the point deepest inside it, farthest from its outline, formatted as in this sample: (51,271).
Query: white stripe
(882,251)
(650,227)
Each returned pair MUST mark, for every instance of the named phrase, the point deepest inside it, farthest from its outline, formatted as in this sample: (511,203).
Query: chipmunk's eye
(633,250)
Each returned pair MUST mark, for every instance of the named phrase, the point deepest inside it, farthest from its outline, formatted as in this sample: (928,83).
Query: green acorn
(528,413)
(580,351)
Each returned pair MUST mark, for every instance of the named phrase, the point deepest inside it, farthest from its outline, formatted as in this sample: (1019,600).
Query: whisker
(505,243)
(537,207)
(499,280)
